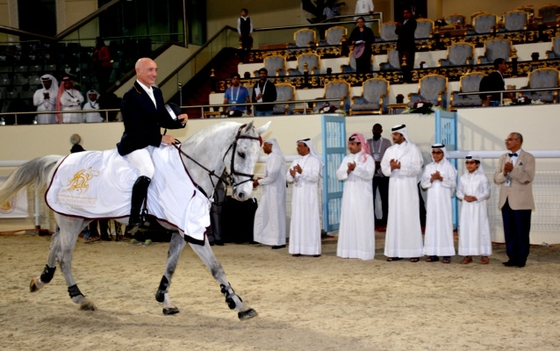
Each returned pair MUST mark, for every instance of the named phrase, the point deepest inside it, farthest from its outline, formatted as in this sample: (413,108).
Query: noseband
(228,176)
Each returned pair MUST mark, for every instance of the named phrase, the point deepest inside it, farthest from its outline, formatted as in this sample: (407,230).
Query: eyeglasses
(470,162)
(510,139)
(437,152)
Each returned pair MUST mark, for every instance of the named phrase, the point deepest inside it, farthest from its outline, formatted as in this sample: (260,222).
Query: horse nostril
(241,196)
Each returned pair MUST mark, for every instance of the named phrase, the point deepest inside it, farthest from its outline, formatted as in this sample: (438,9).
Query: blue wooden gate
(334,150)
(446,133)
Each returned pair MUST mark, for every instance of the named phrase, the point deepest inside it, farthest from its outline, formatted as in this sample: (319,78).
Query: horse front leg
(207,256)
(176,246)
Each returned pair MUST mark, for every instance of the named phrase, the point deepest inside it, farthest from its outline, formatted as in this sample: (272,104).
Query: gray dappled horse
(226,146)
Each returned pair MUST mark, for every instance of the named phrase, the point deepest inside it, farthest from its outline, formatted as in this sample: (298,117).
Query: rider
(144,114)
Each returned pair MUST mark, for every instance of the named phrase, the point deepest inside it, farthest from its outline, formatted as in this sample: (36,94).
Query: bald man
(144,114)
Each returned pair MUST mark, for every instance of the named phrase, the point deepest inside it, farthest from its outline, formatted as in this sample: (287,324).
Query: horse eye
(241,154)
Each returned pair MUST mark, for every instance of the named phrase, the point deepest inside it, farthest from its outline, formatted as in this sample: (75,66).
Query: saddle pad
(98,185)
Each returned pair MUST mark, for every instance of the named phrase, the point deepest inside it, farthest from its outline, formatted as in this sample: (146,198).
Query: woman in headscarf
(362,38)
(439,178)
(356,235)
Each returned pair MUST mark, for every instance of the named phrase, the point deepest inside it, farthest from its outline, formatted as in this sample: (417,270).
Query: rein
(228,176)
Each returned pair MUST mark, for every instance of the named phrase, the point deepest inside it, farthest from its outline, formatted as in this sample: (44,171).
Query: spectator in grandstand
(494,81)
(363,7)
(439,178)
(406,46)
(245,30)
(69,99)
(377,147)
(305,227)
(102,64)
(264,91)
(515,173)
(362,38)
(45,99)
(474,229)
(402,162)
(236,94)
(356,235)
(92,104)
(270,219)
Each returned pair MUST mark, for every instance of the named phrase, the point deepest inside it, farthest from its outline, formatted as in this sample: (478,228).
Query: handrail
(193,56)
(501,92)
(186,107)
(86,19)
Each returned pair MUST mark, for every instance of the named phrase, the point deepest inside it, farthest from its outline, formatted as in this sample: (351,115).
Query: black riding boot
(139,193)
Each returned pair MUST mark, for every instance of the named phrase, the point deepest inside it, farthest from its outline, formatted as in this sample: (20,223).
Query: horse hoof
(169,311)
(35,284)
(247,314)
(88,306)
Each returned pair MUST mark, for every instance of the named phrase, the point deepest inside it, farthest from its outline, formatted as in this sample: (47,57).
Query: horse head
(241,160)
(227,146)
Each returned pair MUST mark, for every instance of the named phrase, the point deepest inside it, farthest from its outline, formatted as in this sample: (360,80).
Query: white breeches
(141,159)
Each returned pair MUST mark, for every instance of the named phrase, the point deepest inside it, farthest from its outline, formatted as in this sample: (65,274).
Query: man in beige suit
(515,173)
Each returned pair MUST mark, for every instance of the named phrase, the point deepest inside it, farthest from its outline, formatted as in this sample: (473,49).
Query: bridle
(225,177)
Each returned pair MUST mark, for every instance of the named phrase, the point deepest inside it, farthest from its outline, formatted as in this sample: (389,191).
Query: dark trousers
(215,234)
(517,225)
(407,70)
(381,183)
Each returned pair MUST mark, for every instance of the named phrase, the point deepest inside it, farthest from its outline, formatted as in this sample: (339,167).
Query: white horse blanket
(98,185)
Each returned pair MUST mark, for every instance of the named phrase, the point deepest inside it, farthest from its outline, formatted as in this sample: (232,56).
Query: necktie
(513,155)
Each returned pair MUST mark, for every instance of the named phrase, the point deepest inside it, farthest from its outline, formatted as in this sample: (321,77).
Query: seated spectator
(92,104)
(45,99)
(69,99)
(236,94)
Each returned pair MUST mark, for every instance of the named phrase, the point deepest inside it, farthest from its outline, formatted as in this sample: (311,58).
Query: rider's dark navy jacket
(142,121)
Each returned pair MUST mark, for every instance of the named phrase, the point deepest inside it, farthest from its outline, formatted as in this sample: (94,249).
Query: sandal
(92,239)
(447,260)
(432,259)
(484,260)
(414,259)
(391,259)
(466,260)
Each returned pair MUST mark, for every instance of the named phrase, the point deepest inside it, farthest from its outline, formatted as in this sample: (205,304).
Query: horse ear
(248,127)
(264,128)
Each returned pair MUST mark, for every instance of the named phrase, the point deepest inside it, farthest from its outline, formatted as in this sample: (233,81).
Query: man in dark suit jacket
(515,173)
(144,114)
(493,81)
(405,43)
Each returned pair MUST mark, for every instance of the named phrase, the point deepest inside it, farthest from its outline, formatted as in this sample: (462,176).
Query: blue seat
(431,88)
(374,98)
(458,54)
(468,83)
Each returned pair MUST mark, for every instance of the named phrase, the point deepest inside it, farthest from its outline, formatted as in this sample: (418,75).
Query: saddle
(98,185)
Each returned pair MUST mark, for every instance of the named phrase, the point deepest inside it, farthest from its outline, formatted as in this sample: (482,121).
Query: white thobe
(92,117)
(356,234)
(404,234)
(71,100)
(364,6)
(270,218)
(474,229)
(305,226)
(438,238)
(45,105)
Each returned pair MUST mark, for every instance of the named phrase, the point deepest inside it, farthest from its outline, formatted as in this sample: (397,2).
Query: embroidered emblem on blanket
(98,184)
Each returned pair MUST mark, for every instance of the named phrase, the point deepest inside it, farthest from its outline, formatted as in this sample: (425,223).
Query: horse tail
(34,174)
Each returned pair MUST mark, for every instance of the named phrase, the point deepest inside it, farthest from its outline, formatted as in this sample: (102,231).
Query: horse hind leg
(176,246)
(48,272)
(233,301)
